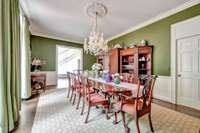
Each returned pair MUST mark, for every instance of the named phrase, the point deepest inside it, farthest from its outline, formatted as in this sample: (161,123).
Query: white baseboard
(162,98)
(189,102)
(163,89)
(51,77)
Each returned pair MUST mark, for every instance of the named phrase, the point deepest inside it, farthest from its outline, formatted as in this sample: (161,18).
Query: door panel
(188,55)
(198,55)
(186,85)
(198,89)
(186,62)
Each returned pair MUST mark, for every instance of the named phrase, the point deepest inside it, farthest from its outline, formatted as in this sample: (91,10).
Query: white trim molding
(180,30)
(54,37)
(182,7)
(163,89)
(51,77)
(157,18)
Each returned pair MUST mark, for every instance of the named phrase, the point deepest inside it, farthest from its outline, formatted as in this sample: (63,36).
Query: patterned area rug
(55,114)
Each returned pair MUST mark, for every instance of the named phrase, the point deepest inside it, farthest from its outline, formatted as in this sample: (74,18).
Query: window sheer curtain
(25,57)
(9,64)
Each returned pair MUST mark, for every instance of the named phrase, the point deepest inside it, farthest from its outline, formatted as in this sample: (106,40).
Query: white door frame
(67,47)
(180,30)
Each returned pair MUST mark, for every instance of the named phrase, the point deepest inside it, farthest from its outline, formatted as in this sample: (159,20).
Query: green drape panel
(25,59)
(9,62)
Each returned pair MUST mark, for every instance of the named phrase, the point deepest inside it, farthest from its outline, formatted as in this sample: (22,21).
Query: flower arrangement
(36,64)
(116,75)
(97,66)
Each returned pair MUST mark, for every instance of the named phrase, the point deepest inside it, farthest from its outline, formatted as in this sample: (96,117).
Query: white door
(188,70)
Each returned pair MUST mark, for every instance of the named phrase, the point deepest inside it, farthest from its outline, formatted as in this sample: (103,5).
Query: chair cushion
(96,99)
(79,86)
(128,106)
(80,90)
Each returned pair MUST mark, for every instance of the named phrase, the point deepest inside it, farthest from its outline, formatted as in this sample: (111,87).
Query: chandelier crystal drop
(95,43)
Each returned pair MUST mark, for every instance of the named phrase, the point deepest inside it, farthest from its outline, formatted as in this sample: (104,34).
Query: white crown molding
(158,17)
(25,8)
(54,37)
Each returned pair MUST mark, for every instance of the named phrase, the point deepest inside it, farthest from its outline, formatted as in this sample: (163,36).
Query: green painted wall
(45,49)
(158,35)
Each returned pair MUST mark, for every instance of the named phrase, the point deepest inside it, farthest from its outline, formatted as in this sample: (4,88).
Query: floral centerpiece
(36,64)
(96,67)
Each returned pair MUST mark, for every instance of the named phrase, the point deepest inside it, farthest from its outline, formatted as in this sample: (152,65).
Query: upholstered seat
(96,99)
(79,86)
(139,105)
(128,106)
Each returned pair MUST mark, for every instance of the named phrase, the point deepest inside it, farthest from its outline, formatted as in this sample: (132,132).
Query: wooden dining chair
(83,93)
(73,86)
(79,91)
(94,99)
(138,106)
(69,84)
(77,88)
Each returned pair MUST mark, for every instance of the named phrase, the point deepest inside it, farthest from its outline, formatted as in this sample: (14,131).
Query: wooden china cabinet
(136,61)
(130,61)
(114,55)
(145,60)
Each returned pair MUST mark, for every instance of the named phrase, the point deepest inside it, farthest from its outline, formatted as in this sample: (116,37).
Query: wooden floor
(179,108)
(27,114)
(29,109)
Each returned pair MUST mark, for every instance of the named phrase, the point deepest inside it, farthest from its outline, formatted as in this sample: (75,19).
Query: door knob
(179,75)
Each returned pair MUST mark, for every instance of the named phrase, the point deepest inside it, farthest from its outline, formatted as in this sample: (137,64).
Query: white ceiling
(67,19)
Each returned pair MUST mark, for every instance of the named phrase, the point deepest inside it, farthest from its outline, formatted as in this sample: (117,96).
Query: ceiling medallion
(95,43)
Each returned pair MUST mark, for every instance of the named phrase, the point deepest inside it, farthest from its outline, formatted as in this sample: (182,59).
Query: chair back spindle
(146,92)
(86,87)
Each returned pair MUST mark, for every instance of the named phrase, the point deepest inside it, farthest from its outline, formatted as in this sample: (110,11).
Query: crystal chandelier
(95,43)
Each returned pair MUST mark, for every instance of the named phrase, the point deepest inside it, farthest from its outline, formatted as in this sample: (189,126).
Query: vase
(108,78)
(117,80)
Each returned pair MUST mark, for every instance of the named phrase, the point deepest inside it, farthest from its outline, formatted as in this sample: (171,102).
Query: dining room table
(114,91)
(118,88)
